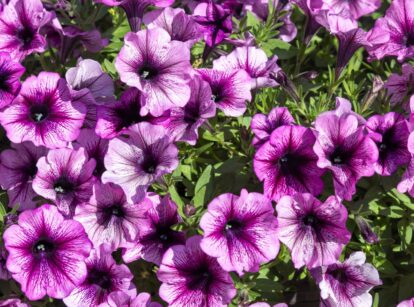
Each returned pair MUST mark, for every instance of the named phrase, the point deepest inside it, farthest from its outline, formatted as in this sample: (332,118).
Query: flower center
(409,39)
(62,186)
(216,96)
(100,278)
(149,165)
(339,275)
(201,279)
(338,156)
(25,35)
(310,220)
(148,73)
(116,210)
(190,115)
(43,247)
(233,225)
(39,112)
(4,86)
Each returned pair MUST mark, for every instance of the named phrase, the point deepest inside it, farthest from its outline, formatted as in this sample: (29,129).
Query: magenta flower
(348,283)
(215,22)
(17,171)
(240,231)
(115,117)
(95,147)
(392,34)
(191,278)
(407,181)
(183,123)
(65,176)
(263,125)
(150,62)
(230,89)
(43,113)
(180,26)
(88,75)
(314,232)
(119,298)
(108,218)
(155,235)
(10,73)
(13,302)
(390,133)
(343,148)
(104,277)
(139,160)
(400,87)
(20,23)
(46,253)
(135,9)
(287,164)
(254,61)
(407,303)
(355,8)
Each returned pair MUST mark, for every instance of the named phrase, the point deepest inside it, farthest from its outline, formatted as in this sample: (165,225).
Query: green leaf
(204,187)
(2,212)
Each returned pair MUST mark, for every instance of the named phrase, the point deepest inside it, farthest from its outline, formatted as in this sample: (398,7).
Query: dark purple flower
(240,231)
(400,87)
(104,277)
(136,161)
(230,89)
(263,125)
(183,123)
(46,253)
(17,170)
(366,231)
(343,148)
(287,164)
(20,23)
(192,278)
(150,62)
(10,73)
(65,176)
(155,235)
(314,232)
(44,113)
(390,133)
(348,283)
(121,299)
(393,34)
(108,218)
(310,8)
(215,21)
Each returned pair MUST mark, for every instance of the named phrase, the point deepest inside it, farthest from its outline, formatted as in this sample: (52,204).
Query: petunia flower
(104,277)
(192,278)
(155,234)
(17,171)
(150,62)
(344,149)
(13,302)
(254,61)
(20,25)
(119,298)
(407,303)
(287,164)
(183,123)
(314,232)
(10,73)
(43,113)
(392,34)
(230,89)
(390,133)
(355,8)
(180,26)
(348,283)
(88,75)
(400,87)
(108,218)
(46,253)
(263,125)
(66,177)
(240,231)
(136,161)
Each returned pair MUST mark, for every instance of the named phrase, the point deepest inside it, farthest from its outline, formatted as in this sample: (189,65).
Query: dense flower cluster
(104,114)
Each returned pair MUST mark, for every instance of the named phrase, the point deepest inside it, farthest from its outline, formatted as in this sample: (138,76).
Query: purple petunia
(155,234)
(150,62)
(20,24)
(355,8)
(343,148)
(401,87)
(138,160)
(192,278)
(104,277)
(287,164)
(44,113)
(263,125)
(46,253)
(10,73)
(407,303)
(66,177)
(390,133)
(13,302)
(230,89)
(120,299)
(348,283)
(108,218)
(17,171)
(314,232)
(240,231)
